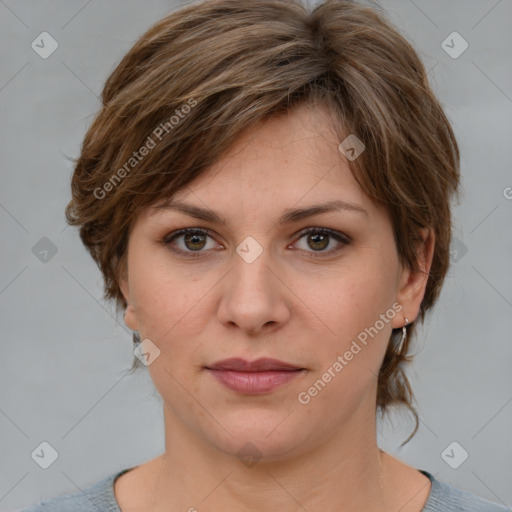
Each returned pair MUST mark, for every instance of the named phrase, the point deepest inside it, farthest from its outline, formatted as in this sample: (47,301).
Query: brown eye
(318,239)
(194,241)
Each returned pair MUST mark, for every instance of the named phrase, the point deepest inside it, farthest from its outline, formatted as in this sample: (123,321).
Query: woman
(266,191)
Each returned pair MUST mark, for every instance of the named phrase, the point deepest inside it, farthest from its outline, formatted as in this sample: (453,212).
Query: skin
(287,304)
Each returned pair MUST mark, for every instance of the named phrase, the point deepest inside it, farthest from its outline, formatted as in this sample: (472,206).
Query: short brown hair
(205,73)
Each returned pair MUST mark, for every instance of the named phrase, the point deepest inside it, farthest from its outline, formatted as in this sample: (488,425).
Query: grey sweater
(100,498)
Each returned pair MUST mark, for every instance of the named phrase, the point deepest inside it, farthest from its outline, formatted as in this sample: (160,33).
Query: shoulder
(444,497)
(97,497)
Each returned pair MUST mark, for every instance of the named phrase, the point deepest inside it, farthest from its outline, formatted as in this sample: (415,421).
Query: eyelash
(340,237)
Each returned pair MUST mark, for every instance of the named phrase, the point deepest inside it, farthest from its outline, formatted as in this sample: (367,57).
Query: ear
(412,284)
(130,318)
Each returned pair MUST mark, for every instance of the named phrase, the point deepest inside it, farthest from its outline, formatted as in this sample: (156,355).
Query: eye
(194,240)
(319,239)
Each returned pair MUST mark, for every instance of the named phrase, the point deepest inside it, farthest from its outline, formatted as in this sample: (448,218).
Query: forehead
(287,161)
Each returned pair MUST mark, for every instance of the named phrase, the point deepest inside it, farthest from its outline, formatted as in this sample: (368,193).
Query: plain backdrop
(64,354)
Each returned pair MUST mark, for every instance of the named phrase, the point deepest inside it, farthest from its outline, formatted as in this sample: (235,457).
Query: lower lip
(254,383)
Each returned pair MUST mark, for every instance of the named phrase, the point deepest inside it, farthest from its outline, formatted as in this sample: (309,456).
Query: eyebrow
(289,216)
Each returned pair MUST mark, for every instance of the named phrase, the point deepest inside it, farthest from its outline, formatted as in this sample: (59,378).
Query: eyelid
(333,232)
(167,240)
(341,237)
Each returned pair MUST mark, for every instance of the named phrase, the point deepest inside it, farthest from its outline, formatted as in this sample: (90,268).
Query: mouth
(256,377)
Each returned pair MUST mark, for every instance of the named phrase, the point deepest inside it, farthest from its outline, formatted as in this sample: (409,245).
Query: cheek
(168,312)
(156,291)
(361,291)
(171,309)
(358,311)
(360,315)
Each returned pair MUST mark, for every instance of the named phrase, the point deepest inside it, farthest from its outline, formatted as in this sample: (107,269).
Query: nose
(254,296)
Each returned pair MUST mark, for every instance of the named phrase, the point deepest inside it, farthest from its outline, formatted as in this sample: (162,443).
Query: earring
(404,335)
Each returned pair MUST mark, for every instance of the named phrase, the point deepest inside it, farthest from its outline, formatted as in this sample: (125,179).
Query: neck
(194,475)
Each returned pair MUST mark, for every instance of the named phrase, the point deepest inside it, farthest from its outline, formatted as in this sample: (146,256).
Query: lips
(254,377)
(264,364)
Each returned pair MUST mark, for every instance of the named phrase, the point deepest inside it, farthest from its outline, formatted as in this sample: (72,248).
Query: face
(318,293)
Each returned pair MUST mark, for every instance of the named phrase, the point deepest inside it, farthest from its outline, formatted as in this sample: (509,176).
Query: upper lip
(259,365)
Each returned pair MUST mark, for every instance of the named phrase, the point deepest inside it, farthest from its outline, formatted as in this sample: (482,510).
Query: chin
(265,436)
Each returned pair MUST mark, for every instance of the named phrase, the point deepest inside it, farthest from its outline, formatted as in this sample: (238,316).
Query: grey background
(64,355)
